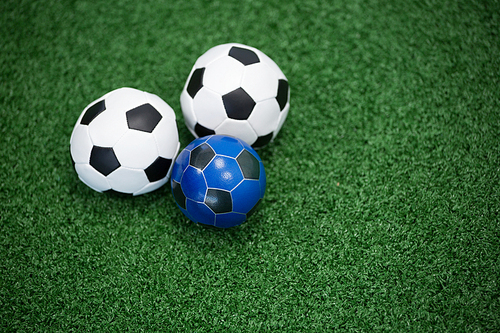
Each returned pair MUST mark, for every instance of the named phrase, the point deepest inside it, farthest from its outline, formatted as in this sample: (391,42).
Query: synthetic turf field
(382,210)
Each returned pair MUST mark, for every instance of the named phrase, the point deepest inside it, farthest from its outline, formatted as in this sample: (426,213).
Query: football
(236,90)
(218,180)
(125,141)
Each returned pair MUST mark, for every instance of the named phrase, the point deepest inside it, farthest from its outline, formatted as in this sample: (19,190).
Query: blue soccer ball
(218,180)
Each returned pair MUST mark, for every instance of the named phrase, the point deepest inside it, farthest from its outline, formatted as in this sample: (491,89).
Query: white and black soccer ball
(125,141)
(236,90)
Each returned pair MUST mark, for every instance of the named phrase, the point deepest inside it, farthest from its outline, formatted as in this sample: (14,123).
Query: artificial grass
(382,204)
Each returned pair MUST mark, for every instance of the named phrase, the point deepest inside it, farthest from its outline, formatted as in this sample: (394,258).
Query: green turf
(383,194)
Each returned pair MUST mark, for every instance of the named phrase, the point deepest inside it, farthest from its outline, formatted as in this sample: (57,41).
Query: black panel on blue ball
(249,165)
(179,196)
(201,156)
(219,201)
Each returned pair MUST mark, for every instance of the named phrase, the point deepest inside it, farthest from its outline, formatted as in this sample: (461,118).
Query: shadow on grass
(206,236)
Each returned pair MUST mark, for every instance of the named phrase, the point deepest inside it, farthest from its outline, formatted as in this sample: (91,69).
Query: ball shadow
(222,241)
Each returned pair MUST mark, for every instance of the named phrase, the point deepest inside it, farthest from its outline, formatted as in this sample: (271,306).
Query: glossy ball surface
(218,180)
(125,141)
(237,90)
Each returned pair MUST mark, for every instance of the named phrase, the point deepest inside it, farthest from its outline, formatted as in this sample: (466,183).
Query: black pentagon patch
(219,201)
(262,140)
(201,156)
(71,156)
(104,160)
(158,169)
(143,118)
(238,104)
(249,165)
(282,95)
(196,82)
(115,193)
(245,56)
(254,208)
(202,131)
(179,196)
(93,112)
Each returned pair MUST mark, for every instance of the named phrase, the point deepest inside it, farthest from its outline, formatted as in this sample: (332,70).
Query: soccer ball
(218,180)
(125,141)
(236,90)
